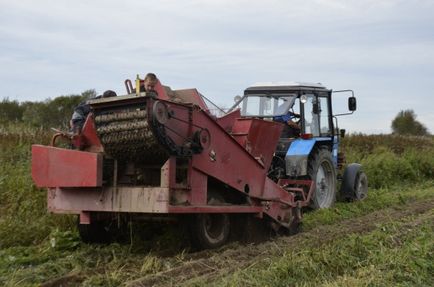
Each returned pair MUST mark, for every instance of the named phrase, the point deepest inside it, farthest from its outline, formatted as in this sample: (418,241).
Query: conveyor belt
(127,135)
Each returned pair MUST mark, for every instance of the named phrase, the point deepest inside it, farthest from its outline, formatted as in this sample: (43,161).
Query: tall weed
(393,160)
(23,214)
(388,160)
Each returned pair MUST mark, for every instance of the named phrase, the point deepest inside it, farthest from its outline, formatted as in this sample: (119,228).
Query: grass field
(386,240)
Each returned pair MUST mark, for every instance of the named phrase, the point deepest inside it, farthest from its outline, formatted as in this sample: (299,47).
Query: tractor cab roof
(284,87)
(271,99)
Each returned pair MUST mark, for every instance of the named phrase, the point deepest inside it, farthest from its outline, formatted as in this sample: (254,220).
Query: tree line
(57,112)
(46,114)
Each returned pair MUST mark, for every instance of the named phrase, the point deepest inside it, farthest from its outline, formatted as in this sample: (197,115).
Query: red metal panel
(191,96)
(227,121)
(273,191)
(57,167)
(198,184)
(259,137)
(108,199)
(161,91)
(227,160)
(89,136)
(216,209)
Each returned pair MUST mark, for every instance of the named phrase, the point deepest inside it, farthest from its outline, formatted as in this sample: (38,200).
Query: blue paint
(335,151)
(301,147)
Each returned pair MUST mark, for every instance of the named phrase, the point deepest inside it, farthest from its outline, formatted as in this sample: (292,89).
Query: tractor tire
(354,183)
(210,230)
(322,172)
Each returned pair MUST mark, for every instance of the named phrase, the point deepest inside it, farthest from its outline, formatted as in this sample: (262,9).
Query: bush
(391,159)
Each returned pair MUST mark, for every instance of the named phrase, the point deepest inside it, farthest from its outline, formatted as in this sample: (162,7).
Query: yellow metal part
(137,85)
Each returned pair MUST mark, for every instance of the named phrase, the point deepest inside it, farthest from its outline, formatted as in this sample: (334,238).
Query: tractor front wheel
(354,183)
(361,188)
(322,172)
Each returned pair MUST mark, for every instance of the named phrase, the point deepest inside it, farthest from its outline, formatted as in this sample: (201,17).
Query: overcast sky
(383,50)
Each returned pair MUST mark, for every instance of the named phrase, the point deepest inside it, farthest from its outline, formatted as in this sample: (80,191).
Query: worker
(149,83)
(83,109)
(292,127)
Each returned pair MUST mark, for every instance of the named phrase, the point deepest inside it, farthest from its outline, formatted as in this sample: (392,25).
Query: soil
(210,265)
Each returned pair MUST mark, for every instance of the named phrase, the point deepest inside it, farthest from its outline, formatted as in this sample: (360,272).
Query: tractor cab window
(316,115)
(324,123)
(267,105)
(311,117)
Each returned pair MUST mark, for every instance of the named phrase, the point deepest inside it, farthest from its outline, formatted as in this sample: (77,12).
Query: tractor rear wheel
(322,171)
(210,230)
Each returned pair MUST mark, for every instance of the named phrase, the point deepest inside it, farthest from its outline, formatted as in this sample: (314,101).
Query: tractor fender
(297,156)
(348,188)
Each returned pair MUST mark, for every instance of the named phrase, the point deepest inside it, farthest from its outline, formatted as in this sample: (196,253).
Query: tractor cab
(309,144)
(307,106)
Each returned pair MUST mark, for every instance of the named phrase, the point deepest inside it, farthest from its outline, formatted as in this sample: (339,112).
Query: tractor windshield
(270,105)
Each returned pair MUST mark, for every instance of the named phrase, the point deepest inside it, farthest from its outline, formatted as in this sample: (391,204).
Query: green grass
(114,264)
(394,254)
(96,265)
(36,246)
(377,199)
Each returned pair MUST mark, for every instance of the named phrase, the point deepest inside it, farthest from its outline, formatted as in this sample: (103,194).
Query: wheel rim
(324,184)
(361,187)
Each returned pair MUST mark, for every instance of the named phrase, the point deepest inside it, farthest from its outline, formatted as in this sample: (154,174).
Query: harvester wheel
(102,231)
(323,174)
(210,230)
(96,232)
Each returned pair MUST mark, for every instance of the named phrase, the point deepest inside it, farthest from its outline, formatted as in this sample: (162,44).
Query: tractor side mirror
(352,104)
(342,133)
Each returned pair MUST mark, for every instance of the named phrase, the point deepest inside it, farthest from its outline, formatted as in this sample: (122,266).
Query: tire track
(209,265)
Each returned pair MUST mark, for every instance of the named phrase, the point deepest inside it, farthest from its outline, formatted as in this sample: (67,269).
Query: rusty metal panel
(216,209)
(227,121)
(191,96)
(228,161)
(89,136)
(57,167)
(259,137)
(109,199)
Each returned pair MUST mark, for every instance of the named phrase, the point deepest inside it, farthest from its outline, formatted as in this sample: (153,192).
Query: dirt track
(210,265)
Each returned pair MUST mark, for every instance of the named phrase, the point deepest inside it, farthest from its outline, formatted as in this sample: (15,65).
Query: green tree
(55,112)
(405,123)
(10,110)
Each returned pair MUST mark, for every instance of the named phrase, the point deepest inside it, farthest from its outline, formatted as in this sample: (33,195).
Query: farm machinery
(164,155)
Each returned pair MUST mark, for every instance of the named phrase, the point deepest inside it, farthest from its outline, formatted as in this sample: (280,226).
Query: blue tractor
(309,144)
